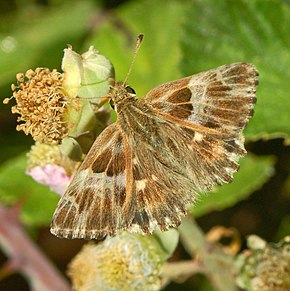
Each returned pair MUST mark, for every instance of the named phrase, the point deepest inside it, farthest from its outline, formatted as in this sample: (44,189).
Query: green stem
(181,270)
(219,266)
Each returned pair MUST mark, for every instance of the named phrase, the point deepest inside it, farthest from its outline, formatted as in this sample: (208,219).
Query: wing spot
(141,184)
(198,137)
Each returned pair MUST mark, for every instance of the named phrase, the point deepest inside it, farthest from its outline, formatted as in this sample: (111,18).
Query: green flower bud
(87,75)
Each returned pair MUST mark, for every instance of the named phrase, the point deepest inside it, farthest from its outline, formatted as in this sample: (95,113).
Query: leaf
(253,173)
(168,240)
(256,31)
(37,201)
(35,44)
(284,227)
(159,55)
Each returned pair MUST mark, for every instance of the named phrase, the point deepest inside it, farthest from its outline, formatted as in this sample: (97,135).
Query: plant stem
(219,266)
(181,270)
(25,257)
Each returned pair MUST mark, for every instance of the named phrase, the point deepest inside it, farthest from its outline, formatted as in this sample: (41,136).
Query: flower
(265,266)
(45,154)
(53,176)
(48,166)
(50,111)
(125,262)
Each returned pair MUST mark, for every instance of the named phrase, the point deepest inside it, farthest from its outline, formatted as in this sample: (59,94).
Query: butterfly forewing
(216,105)
(143,171)
(221,98)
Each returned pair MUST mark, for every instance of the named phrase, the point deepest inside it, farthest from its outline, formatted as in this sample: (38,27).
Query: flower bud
(124,262)
(265,266)
(47,166)
(87,75)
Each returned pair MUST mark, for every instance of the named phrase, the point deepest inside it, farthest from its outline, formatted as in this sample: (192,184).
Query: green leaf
(284,227)
(37,201)
(255,31)
(253,173)
(36,43)
(159,56)
(168,240)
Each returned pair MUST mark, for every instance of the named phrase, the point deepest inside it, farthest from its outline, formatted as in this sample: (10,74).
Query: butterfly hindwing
(162,189)
(94,203)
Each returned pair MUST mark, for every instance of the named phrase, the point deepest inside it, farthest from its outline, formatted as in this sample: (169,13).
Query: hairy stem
(25,257)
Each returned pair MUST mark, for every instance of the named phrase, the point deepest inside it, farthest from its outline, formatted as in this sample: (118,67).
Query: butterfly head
(119,93)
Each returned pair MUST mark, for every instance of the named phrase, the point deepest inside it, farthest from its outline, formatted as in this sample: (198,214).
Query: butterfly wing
(162,184)
(216,106)
(98,200)
(170,167)
(122,185)
(221,99)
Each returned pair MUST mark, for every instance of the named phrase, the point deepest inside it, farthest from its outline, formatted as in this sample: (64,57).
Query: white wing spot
(121,179)
(198,136)
(141,184)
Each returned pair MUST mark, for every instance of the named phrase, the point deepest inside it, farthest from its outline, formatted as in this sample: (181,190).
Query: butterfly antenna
(138,44)
(104,99)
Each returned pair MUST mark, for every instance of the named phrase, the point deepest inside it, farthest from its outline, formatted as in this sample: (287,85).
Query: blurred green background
(181,38)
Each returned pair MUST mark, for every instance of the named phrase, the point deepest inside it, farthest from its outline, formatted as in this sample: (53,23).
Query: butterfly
(147,168)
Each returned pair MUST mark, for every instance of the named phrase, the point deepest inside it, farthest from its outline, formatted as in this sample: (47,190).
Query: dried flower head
(124,262)
(265,266)
(39,102)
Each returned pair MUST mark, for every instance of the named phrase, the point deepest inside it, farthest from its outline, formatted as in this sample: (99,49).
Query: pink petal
(53,176)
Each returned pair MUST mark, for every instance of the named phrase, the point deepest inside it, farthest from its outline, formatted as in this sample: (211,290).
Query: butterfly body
(144,170)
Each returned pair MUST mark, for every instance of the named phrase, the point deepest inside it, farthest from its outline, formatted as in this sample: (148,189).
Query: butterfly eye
(112,104)
(130,90)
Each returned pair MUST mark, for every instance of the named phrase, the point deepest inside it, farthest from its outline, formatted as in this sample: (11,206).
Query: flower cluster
(265,266)
(125,262)
(48,166)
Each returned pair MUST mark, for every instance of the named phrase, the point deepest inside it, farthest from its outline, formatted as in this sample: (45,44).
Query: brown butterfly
(144,170)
